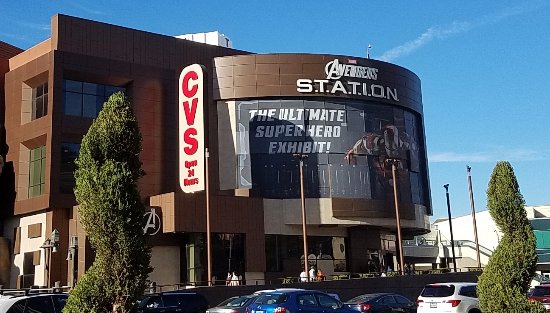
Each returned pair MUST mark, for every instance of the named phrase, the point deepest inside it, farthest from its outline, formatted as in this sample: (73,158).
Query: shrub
(503,285)
(111,212)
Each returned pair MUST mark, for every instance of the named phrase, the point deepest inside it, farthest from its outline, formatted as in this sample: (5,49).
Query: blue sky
(484,66)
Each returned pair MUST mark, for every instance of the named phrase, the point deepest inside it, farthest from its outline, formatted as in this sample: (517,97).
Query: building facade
(350,116)
(433,250)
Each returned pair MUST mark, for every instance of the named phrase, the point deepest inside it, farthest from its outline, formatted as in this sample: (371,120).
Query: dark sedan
(381,303)
(237,304)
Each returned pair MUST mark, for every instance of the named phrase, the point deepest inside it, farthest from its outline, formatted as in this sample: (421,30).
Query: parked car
(541,293)
(35,303)
(449,298)
(173,301)
(294,301)
(381,303)
(237,304)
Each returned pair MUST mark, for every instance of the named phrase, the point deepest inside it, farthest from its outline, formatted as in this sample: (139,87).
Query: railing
(420,242)
(28,291)
(296,279)
(470,244)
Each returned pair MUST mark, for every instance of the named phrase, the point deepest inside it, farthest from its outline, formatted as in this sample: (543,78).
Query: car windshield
(271,298)
(438,291)
(235,302)
(541,292)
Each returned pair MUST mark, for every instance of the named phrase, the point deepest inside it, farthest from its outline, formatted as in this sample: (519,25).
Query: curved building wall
(348,115)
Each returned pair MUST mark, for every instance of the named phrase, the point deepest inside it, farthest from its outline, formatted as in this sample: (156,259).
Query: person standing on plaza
(312,274)
(234,280)
(303,277)
(320,275)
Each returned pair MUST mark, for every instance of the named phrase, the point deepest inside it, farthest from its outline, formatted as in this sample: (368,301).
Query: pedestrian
(320,275)
(407,269)
(234,280)
(312,274)
(228,279)
(303,277)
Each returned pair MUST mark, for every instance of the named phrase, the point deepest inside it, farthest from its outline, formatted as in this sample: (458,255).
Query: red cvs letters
(190,112)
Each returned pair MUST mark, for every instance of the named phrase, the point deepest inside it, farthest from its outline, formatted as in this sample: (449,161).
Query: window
(328,301)
(153,302)
(438,291)
(39,101)
(37,171)
(306,299)
(18,307)
(40,304)
(468,291)
(387,300)
(401,300)
(86,99)
(69,153)
(59,302)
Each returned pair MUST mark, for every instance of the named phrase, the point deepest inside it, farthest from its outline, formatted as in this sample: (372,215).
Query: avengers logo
(152,223)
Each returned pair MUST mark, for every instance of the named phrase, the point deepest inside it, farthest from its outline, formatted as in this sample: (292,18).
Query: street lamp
(71,257)
(394,163)
(468,168)
(208,233)
(301,158)
(446,186)
(50,245)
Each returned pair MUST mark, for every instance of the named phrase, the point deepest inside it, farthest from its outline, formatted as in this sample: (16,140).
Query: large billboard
(348,143)
(191,128)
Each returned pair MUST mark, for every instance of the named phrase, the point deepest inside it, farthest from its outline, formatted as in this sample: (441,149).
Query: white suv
(449,298)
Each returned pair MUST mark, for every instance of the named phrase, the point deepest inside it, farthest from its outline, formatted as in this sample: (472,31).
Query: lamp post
(446,186)
(468,168)
(72,257)
(208,239)
(50,245)
(301,158)
(394,163)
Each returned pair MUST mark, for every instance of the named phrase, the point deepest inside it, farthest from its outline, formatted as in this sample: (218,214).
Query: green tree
(504,283)
(111,212)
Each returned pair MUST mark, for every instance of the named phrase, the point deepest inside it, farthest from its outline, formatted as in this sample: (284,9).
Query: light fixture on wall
(50,246)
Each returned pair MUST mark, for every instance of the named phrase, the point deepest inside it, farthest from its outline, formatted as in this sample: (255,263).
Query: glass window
(93,89)
(306,299)
(37,171)
(72,103)
(468,291)
(541,291)
(40,304)
(328,301)
(153,302)
(71,85)
(401,300)
(39,101)
(59,302)
(272,253)
(89,106)
(271,298)
(18,307)
(69,153)
(438,291)
(387,300)
(86,99)
(171,300)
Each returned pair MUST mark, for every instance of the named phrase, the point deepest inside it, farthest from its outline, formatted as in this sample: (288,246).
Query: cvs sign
(191,128)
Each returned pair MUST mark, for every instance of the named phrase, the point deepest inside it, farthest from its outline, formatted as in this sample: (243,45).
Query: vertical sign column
(191,128)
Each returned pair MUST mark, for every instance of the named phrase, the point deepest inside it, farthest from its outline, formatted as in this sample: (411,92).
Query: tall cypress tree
(503,285)
(111,212)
